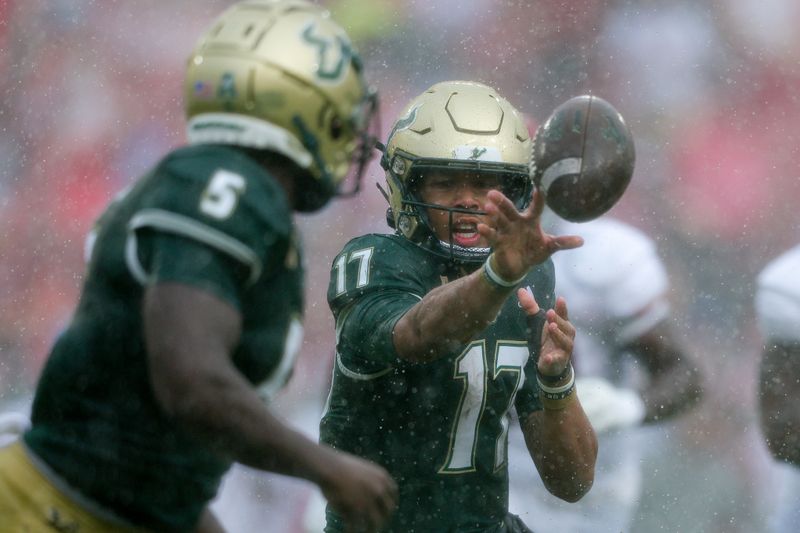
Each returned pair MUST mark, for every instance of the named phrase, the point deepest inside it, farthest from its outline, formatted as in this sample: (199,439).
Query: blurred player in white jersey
(633,371)
(777,304)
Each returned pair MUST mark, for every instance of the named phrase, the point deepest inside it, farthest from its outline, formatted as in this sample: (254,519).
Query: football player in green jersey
(193,299)
(433,349)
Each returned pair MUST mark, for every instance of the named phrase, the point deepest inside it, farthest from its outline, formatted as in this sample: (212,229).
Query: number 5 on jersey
(221,196)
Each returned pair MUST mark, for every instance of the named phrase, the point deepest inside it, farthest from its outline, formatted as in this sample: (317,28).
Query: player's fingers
(561,308)
(505,207)
(493,217)
(527,301)
(537,204)
(381,514)
(488,232)
(563,324)
(561,338)
(388,501)
(490,206)
(565,242)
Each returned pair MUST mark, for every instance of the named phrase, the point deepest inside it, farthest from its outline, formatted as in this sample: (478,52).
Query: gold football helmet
(282,76)
(457,126)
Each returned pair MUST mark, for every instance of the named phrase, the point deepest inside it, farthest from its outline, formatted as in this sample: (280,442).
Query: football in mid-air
(583,158)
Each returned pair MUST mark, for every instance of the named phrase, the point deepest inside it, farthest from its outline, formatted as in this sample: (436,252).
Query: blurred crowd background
(92,96)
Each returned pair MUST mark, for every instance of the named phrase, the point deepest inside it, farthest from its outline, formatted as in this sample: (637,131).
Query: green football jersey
(206,216)
(440,428)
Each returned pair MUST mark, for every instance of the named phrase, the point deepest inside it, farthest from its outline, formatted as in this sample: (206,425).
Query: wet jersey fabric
(439,428)
(206,216)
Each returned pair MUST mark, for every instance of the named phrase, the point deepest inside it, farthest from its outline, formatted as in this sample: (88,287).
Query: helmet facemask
(366,124)
(361,132)
(413,218)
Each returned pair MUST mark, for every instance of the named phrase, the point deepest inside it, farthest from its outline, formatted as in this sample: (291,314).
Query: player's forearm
(564,448)
(190,336)
(448,316)
(222,409)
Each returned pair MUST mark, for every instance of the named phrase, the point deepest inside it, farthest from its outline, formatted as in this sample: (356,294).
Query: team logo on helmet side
(330,67)
(403,123)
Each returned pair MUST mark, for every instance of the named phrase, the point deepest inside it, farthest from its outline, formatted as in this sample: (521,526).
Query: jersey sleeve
(227,221)
(168,257)
(374,282)
(616,277)
(777,299)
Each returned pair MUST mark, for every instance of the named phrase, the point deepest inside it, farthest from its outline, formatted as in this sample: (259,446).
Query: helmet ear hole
(336,128)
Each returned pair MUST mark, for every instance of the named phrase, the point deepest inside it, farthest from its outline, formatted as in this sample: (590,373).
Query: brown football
(583,158)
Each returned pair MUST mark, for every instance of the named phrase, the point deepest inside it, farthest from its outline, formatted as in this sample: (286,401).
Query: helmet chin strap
(462,253)
(450,250)
(457,252)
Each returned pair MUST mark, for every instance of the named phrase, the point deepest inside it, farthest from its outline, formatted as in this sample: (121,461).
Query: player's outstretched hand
(363,493)
(558,334)
(517,239)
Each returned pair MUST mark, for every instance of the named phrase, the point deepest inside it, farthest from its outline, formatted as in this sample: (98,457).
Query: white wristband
(561,389)
(496,278)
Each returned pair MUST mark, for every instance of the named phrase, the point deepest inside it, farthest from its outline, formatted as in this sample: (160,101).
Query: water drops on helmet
(283,76)
(453,126)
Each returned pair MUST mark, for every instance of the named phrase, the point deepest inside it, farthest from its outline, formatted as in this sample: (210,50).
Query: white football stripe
(570,165)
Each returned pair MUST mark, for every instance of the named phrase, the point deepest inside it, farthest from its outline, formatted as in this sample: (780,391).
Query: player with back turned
(193,299)
(439,328)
